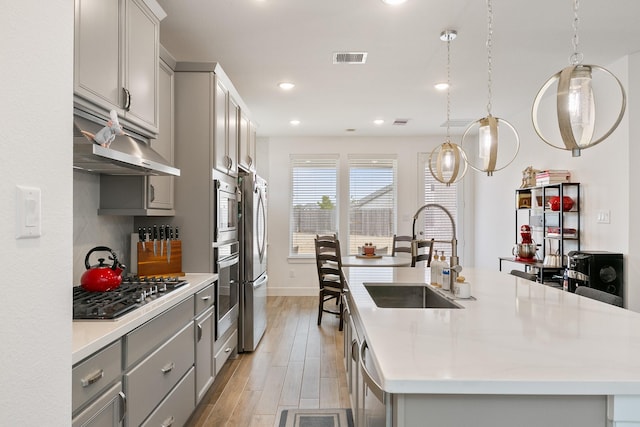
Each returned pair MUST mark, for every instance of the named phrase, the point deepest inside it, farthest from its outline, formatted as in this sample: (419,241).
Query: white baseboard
(287,291)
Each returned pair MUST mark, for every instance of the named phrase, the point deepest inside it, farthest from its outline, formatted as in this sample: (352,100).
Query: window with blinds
(372,203)
(314,201)
(433,223)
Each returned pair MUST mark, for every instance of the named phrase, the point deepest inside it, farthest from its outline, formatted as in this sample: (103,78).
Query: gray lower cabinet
(177,407)
(205,371)
(96,391)
(156,374)
(106,411)
(150,380)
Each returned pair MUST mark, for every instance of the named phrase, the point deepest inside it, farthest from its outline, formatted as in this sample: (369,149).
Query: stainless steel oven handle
(228,262)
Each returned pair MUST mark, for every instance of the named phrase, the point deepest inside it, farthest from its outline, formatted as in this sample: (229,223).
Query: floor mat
(316,418)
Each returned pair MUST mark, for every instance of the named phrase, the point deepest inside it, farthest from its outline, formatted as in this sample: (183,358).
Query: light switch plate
(604,217)
(28,212)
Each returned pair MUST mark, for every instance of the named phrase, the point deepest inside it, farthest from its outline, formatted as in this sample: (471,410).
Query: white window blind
(372,203)
(313,203)
(434,223)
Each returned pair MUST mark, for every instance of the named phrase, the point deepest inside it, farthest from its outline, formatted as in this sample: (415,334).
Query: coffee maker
(597,269)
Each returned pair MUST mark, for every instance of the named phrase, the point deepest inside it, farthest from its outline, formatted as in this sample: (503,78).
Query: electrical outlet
(604,217)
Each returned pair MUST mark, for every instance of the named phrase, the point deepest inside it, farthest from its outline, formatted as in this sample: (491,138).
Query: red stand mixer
(526,250)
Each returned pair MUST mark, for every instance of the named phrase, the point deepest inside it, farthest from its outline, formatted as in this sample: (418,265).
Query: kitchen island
(518,353)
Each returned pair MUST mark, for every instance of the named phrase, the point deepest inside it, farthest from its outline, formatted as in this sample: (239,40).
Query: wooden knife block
(160,265)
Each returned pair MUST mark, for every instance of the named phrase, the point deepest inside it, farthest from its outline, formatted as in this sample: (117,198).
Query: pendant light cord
(448,88)
(576,57)
(489,58)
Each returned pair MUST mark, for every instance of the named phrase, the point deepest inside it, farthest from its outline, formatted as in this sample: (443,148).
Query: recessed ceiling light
(441,86)
(286,85)
(393,2)
(294,122)
(378,122)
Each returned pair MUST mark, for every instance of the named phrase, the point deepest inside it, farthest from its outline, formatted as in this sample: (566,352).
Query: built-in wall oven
(227,258)
(226,251)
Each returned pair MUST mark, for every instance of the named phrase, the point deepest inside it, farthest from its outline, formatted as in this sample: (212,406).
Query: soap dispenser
(436,270)
(445,276)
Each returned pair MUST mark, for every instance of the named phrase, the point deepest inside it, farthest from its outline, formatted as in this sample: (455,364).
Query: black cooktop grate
(131,294)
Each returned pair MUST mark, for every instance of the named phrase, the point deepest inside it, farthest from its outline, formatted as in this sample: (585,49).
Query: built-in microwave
(226,208)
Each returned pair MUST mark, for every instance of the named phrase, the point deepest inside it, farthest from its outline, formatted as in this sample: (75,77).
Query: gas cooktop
(134,292)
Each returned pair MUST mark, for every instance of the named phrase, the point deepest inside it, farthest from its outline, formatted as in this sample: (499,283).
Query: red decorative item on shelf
(554,203)
(525,233)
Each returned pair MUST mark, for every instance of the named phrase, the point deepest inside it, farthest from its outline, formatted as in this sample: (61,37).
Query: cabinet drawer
(204,299)
(94,374)
(148,336)
(148,383)
(176,408)
(226,350)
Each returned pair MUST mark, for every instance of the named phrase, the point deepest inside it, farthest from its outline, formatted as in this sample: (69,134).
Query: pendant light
(487,159)
(576,109)
(447,161)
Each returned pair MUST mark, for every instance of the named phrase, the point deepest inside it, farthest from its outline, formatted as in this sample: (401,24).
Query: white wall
(36,84)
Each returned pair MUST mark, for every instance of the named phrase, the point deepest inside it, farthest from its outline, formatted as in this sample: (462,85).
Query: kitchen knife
(155,239)
(177,237)
(141,237)
(161,240)
(169,239)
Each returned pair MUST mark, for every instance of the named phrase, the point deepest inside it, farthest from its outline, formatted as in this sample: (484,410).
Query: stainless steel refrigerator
(253,236)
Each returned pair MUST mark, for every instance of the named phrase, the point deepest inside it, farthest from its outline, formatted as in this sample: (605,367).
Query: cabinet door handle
(249,161)
(168,422)
(168,367)
(92,378)
(123,405)
(199,332)
(127,102)
(227,350)
(206,298)
(152,193)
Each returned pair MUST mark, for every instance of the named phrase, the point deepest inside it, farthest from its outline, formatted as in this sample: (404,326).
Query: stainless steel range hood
(126,155)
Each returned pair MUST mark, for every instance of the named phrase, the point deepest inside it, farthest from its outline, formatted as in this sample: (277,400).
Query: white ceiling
(262,42)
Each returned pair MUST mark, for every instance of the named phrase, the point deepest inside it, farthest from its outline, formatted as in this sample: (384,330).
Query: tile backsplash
(90,229)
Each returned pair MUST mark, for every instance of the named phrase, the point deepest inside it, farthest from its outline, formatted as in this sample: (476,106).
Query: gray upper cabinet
(226,130)
(147,195)
(247,143)
(161,187)
(116,53)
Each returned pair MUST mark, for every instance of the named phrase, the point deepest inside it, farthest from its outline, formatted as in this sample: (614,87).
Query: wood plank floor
(296,365)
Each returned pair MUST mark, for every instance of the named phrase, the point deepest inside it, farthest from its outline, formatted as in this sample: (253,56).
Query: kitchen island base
(500,410)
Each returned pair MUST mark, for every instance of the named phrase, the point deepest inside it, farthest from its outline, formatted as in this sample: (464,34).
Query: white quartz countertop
(90,336)
(516,337)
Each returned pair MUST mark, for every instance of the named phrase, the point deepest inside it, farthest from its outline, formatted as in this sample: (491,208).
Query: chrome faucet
(454,261)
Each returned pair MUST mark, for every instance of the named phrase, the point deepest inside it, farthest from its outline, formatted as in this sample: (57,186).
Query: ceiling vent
(349,57)
(457,123)
(400,122)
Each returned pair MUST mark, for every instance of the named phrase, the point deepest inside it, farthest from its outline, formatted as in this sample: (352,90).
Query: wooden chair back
(423,252)
(401,244)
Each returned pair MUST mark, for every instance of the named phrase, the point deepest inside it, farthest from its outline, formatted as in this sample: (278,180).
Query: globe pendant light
(487,159)
(575,101)
(447,161)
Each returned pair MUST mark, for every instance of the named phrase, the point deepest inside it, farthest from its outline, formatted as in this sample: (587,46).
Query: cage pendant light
(484,157)
(575,101)
(447,162)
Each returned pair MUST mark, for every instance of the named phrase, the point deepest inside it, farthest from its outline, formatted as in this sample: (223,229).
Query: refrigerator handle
(261,281)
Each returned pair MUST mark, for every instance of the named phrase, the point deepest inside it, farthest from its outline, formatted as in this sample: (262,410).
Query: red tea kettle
(102,277)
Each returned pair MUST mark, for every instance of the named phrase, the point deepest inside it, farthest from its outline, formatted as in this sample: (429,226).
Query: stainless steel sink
(400,295)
